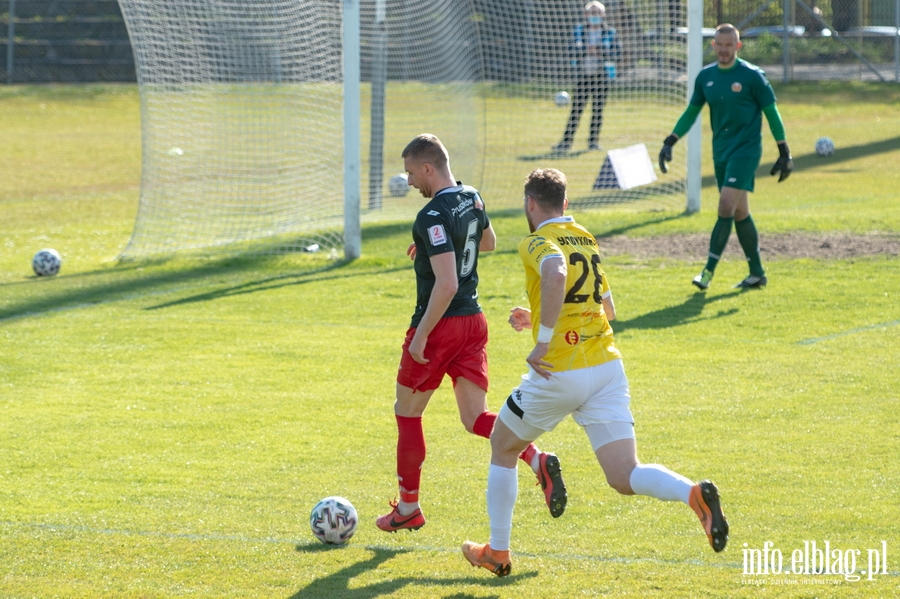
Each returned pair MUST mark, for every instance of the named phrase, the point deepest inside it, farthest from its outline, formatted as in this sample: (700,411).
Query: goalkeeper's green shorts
(739,173)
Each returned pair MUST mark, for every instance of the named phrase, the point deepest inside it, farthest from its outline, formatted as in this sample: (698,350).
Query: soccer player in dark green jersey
(448,333)
(738,94)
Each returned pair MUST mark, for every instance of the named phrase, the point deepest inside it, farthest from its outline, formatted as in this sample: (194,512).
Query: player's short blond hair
(729,28)
(427,148)
(548,188)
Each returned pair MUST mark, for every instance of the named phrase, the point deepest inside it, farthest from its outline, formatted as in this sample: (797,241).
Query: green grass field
(167,426)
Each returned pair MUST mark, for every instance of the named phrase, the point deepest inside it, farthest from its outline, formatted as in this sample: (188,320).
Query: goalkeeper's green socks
(749,238)
(717,241)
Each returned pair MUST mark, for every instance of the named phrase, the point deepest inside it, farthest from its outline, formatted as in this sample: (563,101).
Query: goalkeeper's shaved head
(548,188)
(728,28)
(427,148)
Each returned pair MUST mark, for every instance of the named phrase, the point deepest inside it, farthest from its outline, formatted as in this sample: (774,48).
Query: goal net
(539,49)
(242,122)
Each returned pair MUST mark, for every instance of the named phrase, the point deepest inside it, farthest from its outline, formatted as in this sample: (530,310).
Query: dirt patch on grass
(826,246)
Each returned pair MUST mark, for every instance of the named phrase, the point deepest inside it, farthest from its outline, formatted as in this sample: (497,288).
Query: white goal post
(694,65)
(275,125)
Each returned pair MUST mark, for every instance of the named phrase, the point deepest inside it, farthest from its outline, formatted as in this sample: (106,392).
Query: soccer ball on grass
(562,99)
(46,263)
(824,146)
(398,185)
(333,521)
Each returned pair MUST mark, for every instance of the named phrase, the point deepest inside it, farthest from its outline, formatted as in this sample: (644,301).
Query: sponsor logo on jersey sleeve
(540,249)
(709,84)
(437,235)
(433,213)
(479,205)
(547,252)
(535,244)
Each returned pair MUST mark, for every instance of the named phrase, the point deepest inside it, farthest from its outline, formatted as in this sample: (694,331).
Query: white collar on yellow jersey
(557,219)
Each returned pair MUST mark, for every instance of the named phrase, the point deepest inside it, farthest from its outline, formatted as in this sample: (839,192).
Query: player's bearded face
(531,226)
(726,46)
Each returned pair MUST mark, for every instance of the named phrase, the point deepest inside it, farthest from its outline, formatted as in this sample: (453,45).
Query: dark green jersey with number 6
(736,98)
(453,221)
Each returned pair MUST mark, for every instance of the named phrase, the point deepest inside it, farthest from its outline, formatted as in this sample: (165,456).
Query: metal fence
(64,41)
(816,39)
(86,40)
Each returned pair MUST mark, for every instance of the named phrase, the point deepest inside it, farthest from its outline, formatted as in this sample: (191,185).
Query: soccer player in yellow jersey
(574,368)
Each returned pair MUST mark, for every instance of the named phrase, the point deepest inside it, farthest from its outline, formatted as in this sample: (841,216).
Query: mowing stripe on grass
(883,325)
(257,540)
(146,533)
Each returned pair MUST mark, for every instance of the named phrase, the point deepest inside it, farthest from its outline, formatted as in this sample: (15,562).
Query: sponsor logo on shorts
(736,87)
(732,179)
(437,235)
(572,338)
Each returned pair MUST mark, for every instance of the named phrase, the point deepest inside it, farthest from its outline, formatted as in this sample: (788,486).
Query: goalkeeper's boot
(703,280)
(549,476)
(752,282)
(704,500)
(497,562)
(394,520)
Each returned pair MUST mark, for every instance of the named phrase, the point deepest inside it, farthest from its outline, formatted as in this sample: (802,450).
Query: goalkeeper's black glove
(665,155)
(785,163)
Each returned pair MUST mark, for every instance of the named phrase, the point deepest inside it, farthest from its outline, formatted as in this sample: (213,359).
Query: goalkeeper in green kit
(738,93)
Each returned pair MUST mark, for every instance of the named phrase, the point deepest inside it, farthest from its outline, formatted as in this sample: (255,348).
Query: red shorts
(457,346)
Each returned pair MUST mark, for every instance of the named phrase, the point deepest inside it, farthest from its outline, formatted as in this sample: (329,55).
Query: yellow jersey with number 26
(582,336)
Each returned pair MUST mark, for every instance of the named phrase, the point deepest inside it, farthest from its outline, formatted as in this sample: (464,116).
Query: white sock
(406,509)
(502,490)
(660,482)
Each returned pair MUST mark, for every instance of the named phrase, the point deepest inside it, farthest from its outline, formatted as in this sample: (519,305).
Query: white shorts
(597,398)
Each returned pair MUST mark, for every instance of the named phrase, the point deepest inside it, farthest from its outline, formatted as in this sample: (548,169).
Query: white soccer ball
(824,146)
(46,263)
(398,185)
(333,520)
(562,99)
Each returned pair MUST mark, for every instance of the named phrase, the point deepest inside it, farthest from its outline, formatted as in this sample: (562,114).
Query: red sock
(529,453)
(484,426)
(410,457)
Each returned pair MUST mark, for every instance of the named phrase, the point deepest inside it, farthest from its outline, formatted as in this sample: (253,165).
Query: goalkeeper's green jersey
(736,98)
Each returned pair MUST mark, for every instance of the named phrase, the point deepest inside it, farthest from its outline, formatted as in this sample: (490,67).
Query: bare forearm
(441,296)
(553,290)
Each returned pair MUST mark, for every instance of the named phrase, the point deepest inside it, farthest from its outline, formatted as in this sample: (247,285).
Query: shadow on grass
(269,283)
(600,237)
(674,316)
(337,584)
(551,155)
(811,161)
(646,223)
(130,282)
